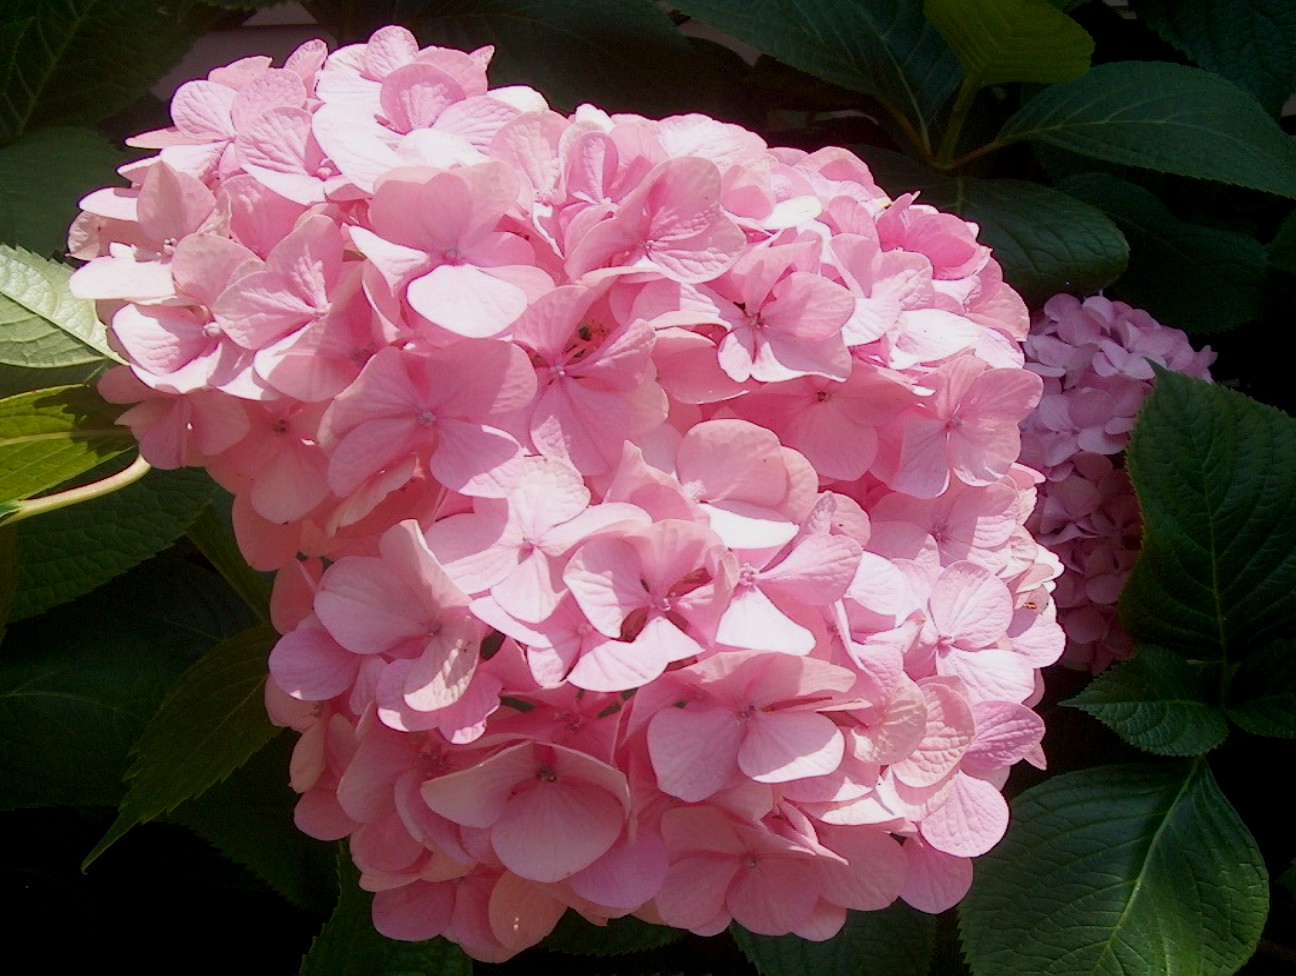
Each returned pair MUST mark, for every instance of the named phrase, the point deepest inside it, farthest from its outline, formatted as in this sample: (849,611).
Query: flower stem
(19,510)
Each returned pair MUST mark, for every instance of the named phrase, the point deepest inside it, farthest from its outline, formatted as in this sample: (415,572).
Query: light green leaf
(1012,40)
(1173,263)
(41,324)
(350,946)
(69,552)
(113,48)
(249,819)
(883,48)
(43,175)
(1158,702)
(49,436)
(1046,241)
(1252,43)
(1120,870)
(1262,695)
(1215,474)
(575,936)
(78,686)
(1166,117)
(896,941)
(211,721)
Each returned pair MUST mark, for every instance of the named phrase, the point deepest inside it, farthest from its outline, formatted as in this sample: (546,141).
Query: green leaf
(66,553)
(1215,474)
(222,551)
(350,946)
(114,49)
(1125,869)
(896,941)
(1012,40)
(575,936)
(17,379)
(8,573)
(211,721)
(883,48)
(1282,249)
(1166,117)
(1288,878)
(1046,241)
(249,819)
(49,436)
(43,175)
(1174,263)
(1262,695)
(1158,702)
(575,51)
(41,324)
(1252,43)
(77,687)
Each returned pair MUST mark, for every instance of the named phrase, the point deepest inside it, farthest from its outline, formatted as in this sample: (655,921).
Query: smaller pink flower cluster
(1095,359)
(644,500)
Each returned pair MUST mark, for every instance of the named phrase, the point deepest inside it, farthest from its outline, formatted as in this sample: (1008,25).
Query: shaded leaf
(1158,702)
(884,48)
(896,941)
(1012,40)
(1215,474)
(8,574)
(1046,241)
(222,551)
(1282,249)
(1262,695)
(43,325)
(17,379)
(77,687)
(42,176)
(1174,263)
(1124,869)
(115,49)
(249,819)
(66,553)
(1252,43)
(576,51)
(350,946)
(50,436)
(576,936)
(1165,117)
(211,721)
(1288,878)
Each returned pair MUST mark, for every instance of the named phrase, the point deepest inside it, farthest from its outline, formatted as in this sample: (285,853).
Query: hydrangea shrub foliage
(666,517)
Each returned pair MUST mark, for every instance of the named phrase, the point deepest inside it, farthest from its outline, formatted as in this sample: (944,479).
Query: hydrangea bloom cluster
(1094,357)
(644,500)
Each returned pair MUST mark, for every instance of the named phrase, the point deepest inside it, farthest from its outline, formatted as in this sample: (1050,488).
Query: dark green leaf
(576,936)
(883,48)
(77,687)
(896,941)
(69,552)
(1159,702)
(114,49)
(212,720)
(213,541)
(1120,870)
(576,51)
(1288,878)
(249,819)
(1012,40)
(1252,43)
(50,436)
(1174,264)
(1046,241)
(42,176)
(1262,695)
(17,379)
(349,945)
(1282,249)
(1215,474)
(41,324)
(8,573)
(1166,117)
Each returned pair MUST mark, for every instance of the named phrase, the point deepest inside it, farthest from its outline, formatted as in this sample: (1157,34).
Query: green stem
(958,118)
(39,506)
